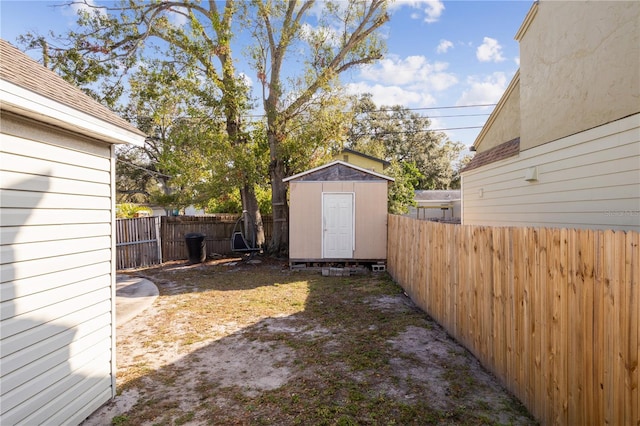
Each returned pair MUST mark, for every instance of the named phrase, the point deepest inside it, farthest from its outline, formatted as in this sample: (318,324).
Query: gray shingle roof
(18,68)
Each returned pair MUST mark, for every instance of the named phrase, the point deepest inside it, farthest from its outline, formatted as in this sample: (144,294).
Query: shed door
(337,226)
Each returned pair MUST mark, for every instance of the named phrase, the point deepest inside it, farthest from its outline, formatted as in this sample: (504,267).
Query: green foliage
(343,36)
(129,210)
(315,132)
(191,100)
(263,194)
(401,192)
(397,134)
(456,182)
(227,203)
(184,92)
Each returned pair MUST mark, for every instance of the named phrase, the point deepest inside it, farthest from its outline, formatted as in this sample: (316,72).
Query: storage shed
(338,213)
(57,242)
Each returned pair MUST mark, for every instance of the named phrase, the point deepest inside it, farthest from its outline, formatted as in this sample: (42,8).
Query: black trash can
(196,247)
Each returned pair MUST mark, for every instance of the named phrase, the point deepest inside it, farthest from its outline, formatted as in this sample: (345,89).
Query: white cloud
(484,91)
(517,60)
(391,95)
(248,81)
(444,46)
(177,16)
(431,9)
(414,71)
(489,51)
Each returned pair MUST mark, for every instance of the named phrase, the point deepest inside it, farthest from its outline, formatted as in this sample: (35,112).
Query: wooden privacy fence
(218,230)
(552,312)
(138,242)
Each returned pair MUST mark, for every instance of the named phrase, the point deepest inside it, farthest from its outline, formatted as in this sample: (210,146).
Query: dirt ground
(230,342)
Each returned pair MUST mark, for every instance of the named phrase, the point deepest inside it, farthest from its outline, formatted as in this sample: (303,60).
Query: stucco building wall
(579,68)
(504,123)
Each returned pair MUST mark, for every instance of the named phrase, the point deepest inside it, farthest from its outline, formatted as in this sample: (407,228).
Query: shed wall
(587,180)
(305,218)
(57,279)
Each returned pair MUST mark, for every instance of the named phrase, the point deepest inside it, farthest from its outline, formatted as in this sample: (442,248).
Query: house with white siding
(562,146)
(57,215)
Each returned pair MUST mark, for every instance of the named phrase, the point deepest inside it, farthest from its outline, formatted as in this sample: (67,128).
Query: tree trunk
(250,204)
(279,245)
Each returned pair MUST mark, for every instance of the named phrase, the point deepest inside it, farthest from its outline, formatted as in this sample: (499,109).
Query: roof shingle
(18,68)
(497,153)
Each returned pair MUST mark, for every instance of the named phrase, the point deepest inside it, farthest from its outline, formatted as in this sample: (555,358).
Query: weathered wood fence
(150,241)
(552,312)
(218,230)
(138,242)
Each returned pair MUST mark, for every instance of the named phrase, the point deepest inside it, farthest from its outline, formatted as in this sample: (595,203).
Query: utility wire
(382,133)
(369,118)
(409,109)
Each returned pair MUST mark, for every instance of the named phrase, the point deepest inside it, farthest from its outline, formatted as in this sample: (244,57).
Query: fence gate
(138,242)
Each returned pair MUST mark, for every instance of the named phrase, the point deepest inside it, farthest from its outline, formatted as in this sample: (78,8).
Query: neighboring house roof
(436,194)
(497,153)
(370,157)
(31,89)
(337,170)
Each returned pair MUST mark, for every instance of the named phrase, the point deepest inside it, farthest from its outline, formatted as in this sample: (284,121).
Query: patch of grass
(184,419)
(119,420)
(342,368)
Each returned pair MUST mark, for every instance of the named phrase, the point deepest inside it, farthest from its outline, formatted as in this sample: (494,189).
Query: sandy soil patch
(259,344)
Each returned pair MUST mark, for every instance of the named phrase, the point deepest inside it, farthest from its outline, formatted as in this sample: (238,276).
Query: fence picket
(218,230)
(552,312)
(137,242)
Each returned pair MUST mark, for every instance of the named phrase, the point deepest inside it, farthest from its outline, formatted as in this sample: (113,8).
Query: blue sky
(440,54)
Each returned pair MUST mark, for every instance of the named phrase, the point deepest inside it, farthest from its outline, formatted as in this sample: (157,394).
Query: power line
(412,109)
(459,115)
(443,107)
(400,132)
(425,117)
(451,128)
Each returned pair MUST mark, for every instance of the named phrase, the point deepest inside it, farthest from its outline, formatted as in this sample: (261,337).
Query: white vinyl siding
(56,305)
(587,180)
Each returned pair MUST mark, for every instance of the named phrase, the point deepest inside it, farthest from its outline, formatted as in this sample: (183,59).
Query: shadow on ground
(259,344)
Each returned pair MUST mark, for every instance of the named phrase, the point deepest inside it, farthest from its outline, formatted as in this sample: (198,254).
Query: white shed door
(337,223)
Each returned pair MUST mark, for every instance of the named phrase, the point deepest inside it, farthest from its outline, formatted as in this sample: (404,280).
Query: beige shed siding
(56,279)
(305,218)
(587,180)
(371,220)
(579,67)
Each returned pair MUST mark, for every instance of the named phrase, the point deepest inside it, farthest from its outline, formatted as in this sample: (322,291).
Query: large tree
(336,38)
(197,35)
(187,154)
(398,134)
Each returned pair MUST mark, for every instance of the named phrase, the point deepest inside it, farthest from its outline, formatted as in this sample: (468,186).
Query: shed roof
(336,171)
(20,70)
